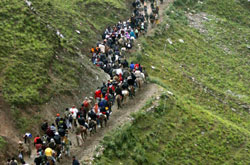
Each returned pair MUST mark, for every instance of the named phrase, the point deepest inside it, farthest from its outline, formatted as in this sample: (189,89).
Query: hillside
(200,52)
(44,63)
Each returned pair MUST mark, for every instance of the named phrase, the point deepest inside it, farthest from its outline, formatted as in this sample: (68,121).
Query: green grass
(2,143)
(207,122)
(35,63)
(176,133)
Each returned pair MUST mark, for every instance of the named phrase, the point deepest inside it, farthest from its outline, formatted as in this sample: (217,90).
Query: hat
(56,133)
(57,114)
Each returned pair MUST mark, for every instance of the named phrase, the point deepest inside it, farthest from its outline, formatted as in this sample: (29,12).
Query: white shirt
(75,111)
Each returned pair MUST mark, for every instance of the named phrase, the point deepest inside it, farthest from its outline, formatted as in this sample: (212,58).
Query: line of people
(95,111)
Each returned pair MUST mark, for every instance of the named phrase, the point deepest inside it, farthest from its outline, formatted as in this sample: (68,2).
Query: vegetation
(2,143)
(176,133)
(40,42)
(207,69)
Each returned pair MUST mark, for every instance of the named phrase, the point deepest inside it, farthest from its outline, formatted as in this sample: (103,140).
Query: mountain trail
(117,118)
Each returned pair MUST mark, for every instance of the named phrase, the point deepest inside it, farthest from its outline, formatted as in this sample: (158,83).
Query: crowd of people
(94,112)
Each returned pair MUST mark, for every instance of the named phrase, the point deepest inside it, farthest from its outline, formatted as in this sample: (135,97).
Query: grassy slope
(35,63)
(177,133)
(204,123)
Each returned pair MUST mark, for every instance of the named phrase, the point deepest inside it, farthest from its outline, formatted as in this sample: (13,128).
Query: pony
(103,118)
(139,82)
(131,91)
(84,132)
(125,94)
(92,127)
(118,99)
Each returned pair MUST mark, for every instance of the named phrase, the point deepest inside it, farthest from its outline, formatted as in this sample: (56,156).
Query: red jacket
(136,66)
(36,138)
(98,93)
(120,77)
(106,97)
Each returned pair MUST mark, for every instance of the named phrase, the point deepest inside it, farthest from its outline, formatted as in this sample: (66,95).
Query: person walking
(75,161)
(79,139)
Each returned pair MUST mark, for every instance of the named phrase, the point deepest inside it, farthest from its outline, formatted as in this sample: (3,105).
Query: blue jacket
(132,34)
(132,66)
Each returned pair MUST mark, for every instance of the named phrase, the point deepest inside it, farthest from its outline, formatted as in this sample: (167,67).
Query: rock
(59,34)
(169,41)
(205,18)
(181,41)
(248,46)
(167,26)
(170,93)
(233,109)
(78,31)
(28,3)
(152,67)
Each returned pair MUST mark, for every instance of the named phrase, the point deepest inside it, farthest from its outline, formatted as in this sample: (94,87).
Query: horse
(58,152)
(126,73)
(131,91)
(125,94)
(84,132)
(118,99)
(139,82)
(92,126)
(103,118)
(50,161)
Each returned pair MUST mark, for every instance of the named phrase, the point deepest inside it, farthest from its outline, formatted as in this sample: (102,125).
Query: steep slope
(200,53)
(44,64)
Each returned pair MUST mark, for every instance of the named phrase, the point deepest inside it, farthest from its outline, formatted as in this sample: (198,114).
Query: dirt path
(162,8)
(118,118)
